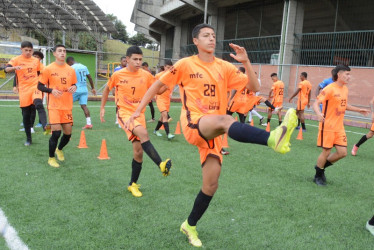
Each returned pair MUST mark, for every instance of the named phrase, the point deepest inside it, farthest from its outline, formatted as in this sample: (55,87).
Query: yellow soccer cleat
(279,138)
(60,155)
(47,130)
(165,167)
(53,163)
(134,189)
(191,233)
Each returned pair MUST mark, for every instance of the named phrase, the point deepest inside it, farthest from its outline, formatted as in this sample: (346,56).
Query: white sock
(88,120)
(249,116)
(256,114)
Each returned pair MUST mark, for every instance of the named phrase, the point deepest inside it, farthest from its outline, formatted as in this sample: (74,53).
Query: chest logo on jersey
(123,81)
(337,95)
(196,75)
(54,74)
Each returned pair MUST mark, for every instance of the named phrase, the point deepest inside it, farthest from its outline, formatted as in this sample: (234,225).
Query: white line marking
(10,234)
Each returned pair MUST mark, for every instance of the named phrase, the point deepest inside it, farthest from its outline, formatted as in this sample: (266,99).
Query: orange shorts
(57,116)
(123,116)
(372,127)
(206,147)
(163,103)
(301,105)
(27,97)
(276,104)
(239,107)
(329,139)
(253,101)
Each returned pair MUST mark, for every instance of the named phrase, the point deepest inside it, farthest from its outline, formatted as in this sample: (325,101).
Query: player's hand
(289,100)
(102,113)
(17,67)
(72,89)
(364,112)
(130,122)
(15,90)
(93,91)
(56,92)
(320,117)
(241,53)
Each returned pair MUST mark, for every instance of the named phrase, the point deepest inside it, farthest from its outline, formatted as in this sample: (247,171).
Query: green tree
(139,40)
(121,33)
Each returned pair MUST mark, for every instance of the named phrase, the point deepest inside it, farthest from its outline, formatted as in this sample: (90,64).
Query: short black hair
(133,50)
(70,59)
(196,30)
(123,57)
(304,74)
(273,74)
(26,44)
(337,69)
(58,46)
(39,54)
(168,62)
(145,64)
(242,69)
(162,68)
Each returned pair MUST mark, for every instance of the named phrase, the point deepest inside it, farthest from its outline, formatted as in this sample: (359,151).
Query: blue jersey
(81,71)
(326,82)
(117,68)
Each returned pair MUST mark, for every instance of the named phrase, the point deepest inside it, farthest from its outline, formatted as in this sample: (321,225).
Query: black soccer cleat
(319,181)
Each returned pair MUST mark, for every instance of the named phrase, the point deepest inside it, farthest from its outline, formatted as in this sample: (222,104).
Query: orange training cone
(225,143)
(103,151)
(268,127)
(252,124)
(236,118)
(300,134)
(178,129)
(82,141)
(162,127)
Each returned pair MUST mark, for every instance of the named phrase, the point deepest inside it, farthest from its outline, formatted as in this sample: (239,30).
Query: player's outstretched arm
(241,56)
(104,99)
(359,110)
(320,116)
(152,91)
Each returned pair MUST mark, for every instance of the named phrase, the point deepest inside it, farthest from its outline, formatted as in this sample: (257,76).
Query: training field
(265,200)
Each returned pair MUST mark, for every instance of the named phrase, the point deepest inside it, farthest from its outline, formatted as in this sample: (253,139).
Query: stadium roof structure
(46,16)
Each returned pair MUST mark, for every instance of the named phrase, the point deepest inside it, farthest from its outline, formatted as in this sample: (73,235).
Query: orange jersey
(203,86)
(130,88)
(278,88)
(60,77)
(305,88)
(240,102)
(167,93)
(334,101)
(27,76)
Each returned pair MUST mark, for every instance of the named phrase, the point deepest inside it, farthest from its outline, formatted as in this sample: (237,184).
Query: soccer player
(58,80)
(370,134)
(254,111)
(203,81)
(276,93)
(303,95)
(81,94)
(326,82)
(370,225)
(121,66)
(331,128)
(163,105)
(27,69)
(150,104)
(131,83)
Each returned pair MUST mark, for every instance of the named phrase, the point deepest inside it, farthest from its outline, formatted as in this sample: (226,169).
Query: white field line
(10,234)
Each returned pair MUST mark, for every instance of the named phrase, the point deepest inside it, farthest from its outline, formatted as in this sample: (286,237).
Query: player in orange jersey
(163,105)
(203,80)
(276,94)
(369,135)
(58,80)
(303,95)
(131,83)
(331,128)
(27,69)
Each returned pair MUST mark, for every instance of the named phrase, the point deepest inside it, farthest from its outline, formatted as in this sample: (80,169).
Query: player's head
(162,68)
(123,61)
(134,58)
(38,54)
(341,73)
(242,69)
(204,38)
(27,49)
(145,65)
(59,52)
(303,76)
(168,64)
(274,77)
(70,60)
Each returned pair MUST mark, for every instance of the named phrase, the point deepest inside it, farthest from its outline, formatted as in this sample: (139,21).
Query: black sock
(53,142)
(152,109)
(245,133)
(41,111)
(303,125)
(151,152)
(136,168)
(268,120)
(319,171)
(280,122)
(26,115)
(362,140)
(166,127)
(267,103)
(241,118)
(199,207)
(64,140)
(298,122)
(327,164)
(371,221)
(158,126)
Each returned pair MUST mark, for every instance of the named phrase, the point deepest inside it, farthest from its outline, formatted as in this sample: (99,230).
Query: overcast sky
(120,8)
